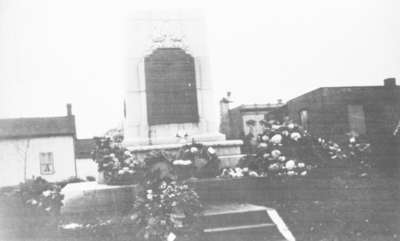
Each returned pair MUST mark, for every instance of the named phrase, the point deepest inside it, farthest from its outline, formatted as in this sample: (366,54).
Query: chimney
(69,109)
(389,82)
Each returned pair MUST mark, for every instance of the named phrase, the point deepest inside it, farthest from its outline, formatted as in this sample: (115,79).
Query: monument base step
(230,160)
(228,150)
(243,222)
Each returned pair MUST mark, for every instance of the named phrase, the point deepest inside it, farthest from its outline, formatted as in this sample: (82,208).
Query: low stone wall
(93,197)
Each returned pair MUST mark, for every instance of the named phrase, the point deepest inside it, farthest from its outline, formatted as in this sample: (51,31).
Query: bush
(31,207)
(288,150)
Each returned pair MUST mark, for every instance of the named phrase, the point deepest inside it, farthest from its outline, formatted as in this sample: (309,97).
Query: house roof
(258,107)
(84,148)
(14,128)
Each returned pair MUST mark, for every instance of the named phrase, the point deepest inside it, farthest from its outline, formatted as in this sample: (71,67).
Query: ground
(361,207)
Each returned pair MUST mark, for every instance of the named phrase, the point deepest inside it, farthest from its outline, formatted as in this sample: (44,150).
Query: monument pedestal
(228,151)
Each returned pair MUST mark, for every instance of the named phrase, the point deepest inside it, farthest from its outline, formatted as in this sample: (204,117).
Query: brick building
(331,112)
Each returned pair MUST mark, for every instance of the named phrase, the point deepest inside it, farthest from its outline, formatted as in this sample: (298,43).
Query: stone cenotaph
(169,95)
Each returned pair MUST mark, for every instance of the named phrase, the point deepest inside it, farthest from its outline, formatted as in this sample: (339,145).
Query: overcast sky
(56,52)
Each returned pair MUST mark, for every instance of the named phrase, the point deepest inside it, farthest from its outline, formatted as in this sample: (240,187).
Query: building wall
(328,110)
(313,102)
(13,152)
(86,167)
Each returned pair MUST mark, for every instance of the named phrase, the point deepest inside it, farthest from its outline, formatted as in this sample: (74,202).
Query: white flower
(262,145)
(282,158)
(253,174)
(149,191)
(273,167)
(291,173)
(128,153)
(275,153)
(290,164)
(194,149)
(32,201)
(46,193)
(275,127)
(265,138)
(352,139)
(182,162)
(149,196)
(295,136)
(291,126)
(211,150)
(72,226)
(163,185)
(266,155)
(48,209)
(171,236)
(245,169)
(285,133)
(276,139)
(301,165)
(128,160)
(120,172)
(303,173)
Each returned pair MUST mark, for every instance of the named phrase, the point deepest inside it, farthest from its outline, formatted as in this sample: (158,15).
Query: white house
(41,146)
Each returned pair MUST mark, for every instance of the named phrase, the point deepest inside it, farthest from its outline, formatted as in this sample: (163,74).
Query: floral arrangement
(288,150)
(115,162)
(165,208)
(196,160)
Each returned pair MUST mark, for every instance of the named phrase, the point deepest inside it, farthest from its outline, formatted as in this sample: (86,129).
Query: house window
(356,118)
(304,119)
(46,163)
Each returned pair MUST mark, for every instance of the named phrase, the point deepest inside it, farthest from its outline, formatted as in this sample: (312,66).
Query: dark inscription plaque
(170,87)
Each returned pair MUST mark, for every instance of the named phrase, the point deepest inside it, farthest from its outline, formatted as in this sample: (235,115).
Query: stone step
(228,215)
(257,232)
(244,222)
(230,160)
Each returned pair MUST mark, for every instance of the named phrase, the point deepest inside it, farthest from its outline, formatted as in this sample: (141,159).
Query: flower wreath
(196,160)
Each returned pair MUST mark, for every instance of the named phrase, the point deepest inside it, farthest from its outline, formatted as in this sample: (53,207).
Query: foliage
(116,162)
(288,150)
(164,208)
(118,165)
(196,160)
(32,206)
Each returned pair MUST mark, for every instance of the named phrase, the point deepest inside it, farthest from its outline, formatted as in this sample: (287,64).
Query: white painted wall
(86,167)
(12,153)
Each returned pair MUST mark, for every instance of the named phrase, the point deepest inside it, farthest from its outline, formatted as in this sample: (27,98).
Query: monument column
(166,56)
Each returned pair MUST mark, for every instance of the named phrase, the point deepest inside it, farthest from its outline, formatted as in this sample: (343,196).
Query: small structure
(238,122)
(42,146)
(85,165)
